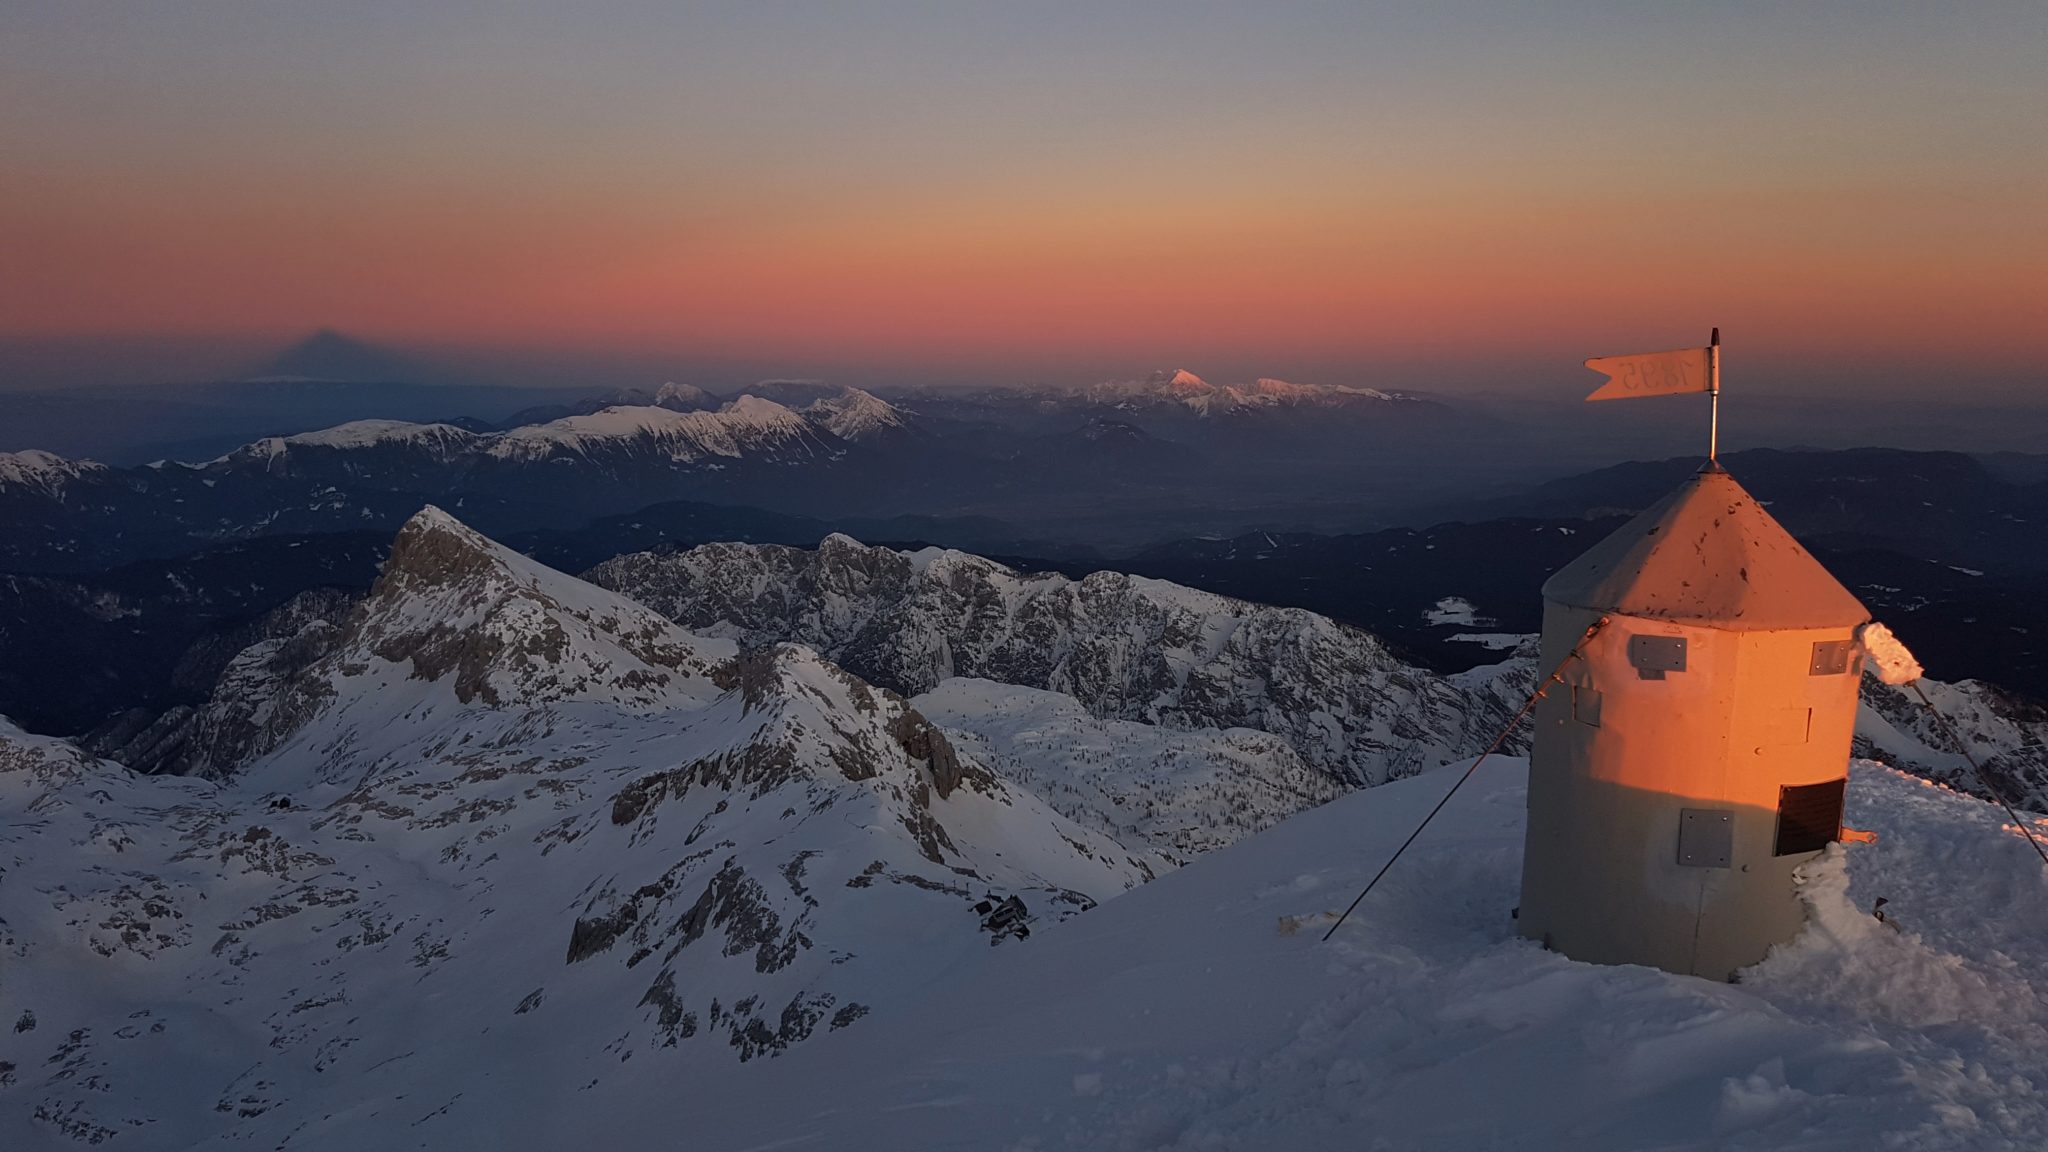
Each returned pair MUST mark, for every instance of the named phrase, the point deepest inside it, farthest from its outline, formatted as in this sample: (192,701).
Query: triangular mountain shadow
(333,357)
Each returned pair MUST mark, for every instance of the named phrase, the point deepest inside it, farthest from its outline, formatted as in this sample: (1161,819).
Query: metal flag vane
(1673,373)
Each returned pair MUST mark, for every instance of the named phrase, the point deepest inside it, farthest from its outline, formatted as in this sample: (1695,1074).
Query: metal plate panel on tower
(1653,656)
(1706,837)
(1831,657)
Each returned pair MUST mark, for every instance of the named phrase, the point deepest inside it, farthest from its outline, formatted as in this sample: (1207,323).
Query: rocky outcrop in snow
(511,631)
(2007,736)
(252,695)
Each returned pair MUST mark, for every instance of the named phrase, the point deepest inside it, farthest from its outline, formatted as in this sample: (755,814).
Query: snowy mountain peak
(854,414)
(758,411)
(1269,386)
(683,397)
(1180,380)
(674,429)
(44,472)
(451,600)
(359,433)
(746,425)
(432,532)
(1266,388)
(440,442)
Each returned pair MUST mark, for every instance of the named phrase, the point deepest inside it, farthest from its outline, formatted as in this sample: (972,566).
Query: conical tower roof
(1707,554)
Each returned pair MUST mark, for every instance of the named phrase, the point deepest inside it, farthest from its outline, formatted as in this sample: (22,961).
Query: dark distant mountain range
(1448,596)
(1117,464)
(1947,507)
(198,421)
(374,474)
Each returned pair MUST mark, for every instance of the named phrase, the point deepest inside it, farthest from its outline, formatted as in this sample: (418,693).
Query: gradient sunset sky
(1040,188)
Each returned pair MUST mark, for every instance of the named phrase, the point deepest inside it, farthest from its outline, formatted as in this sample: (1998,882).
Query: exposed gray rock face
(253,693)
(1125,646)
(2007,736)
(202,665)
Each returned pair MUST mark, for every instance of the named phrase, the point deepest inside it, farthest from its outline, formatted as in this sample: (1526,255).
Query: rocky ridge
(1125,647)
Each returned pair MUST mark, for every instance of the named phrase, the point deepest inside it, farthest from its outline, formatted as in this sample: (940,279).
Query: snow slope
(1179,793)
(1202,1011)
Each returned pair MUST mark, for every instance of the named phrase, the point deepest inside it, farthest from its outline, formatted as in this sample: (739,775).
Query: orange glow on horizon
(948,279)
(977,187)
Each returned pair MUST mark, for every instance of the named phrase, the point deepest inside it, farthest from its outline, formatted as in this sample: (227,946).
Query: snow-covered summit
(361,433)
(441,442)
(746,424)
(1181,387)
(44,472)
(675,429)
(854,414)
(455,621)
(1284,392)
(1163,383)
(684,397)
(453,604)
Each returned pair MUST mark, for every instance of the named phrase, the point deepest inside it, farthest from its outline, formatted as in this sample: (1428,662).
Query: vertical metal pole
(1714,397)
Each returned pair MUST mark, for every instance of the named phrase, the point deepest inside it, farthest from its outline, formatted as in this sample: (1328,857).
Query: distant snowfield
(1456,610)
(1184,1015)
(1495,641)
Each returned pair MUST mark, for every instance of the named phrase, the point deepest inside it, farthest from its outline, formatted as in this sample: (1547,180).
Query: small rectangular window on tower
(1586,704)
(1809,816)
